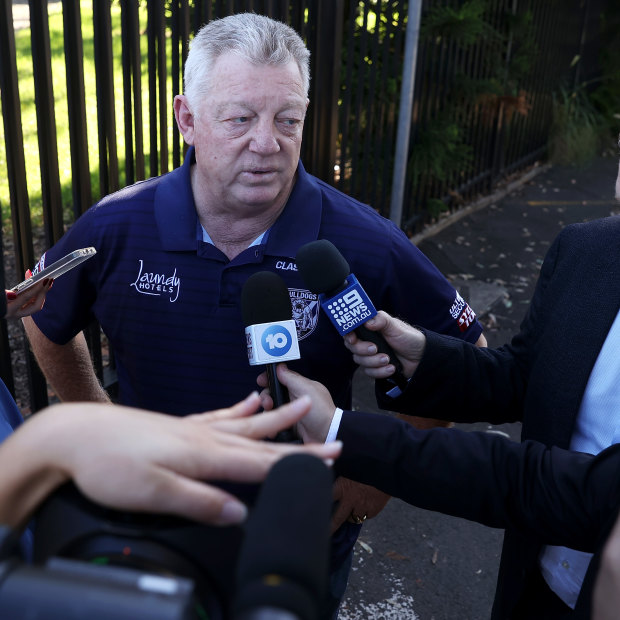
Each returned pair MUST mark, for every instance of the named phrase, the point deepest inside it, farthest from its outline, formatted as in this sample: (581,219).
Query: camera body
(87,557)
(72,590)
(96,563)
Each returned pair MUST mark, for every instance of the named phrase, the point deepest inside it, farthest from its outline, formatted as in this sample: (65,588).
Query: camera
(101,564)
(147,565)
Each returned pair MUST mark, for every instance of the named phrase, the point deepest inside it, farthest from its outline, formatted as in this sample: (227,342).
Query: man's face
(247,135)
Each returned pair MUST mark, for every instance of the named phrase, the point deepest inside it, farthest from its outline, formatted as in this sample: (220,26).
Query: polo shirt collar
(300,221)
(175,213)
(175,210)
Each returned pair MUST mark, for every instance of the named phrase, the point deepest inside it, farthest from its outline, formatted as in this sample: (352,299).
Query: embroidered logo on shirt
(305,311)
(157,284)
(286,265)
(462,313)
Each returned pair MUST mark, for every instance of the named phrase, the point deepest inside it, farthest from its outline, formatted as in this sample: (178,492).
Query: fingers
(407,342)
(28,302)
(375,365)
(379,322)
(265,400)
(328,452)
(297,385)
(267,423)
(245,460)
(198,501)
(356,502)
(176,494)
(265,397)
(167,492)
(248,406)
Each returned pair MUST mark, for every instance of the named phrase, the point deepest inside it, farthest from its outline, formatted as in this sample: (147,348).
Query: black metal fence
(485,78)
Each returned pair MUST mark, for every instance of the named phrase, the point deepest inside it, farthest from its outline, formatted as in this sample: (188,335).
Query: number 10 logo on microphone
(272,342)
(276,340)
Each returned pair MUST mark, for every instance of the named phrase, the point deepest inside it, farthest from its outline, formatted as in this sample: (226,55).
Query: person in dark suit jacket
(558,376)
(545,495)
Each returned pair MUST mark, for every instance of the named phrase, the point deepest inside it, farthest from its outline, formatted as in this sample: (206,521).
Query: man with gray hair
(174,252)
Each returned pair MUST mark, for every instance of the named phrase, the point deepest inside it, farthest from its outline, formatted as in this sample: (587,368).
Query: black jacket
(543,495)
(539,378)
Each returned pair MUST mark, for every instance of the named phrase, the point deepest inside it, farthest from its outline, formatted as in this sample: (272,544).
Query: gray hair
(256,38)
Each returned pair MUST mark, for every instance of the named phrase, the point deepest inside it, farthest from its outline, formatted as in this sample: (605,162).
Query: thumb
(287,377)
(297,384)
(382,322)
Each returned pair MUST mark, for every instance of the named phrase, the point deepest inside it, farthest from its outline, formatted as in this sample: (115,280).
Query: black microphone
(326,272)
(270,330)
(282,571)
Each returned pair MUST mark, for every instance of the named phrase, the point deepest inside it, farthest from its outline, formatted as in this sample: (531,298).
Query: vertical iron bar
(20,208)
(126,38)
(106,117)
(162,73)
(325,106)
(46,122)
(152,29)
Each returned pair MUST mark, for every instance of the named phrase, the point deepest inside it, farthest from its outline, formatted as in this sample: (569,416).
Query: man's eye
(289,122)
(240,119)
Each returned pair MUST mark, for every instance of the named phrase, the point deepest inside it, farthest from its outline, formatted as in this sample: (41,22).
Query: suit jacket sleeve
(553,495)
(461,382)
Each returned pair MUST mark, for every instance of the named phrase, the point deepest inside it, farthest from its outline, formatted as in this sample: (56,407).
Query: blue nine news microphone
(326,272)
(270,331)
(282,571)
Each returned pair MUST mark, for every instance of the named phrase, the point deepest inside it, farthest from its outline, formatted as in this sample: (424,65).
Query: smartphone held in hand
(56,269)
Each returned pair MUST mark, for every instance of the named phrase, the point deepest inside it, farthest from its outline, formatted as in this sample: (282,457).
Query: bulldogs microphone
(282,571)
(270,331)
(326,272)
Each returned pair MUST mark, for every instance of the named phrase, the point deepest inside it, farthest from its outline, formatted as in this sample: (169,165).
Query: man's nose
(264,139)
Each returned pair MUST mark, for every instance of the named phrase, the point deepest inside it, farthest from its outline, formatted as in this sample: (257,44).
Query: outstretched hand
(136,460)
(407,342)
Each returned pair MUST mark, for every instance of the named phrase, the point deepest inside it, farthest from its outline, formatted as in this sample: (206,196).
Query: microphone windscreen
(284,558)
(265,299)
(322,266)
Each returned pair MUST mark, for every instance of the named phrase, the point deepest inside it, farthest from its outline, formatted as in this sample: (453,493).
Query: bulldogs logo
(305,311)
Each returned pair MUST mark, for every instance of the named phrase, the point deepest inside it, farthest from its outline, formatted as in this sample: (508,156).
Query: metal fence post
(323,125)
(404,112)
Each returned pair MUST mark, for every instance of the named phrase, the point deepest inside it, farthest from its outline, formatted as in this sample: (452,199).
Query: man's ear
(184,118)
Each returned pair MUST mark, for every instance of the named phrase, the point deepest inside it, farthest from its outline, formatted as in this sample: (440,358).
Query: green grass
(28,110)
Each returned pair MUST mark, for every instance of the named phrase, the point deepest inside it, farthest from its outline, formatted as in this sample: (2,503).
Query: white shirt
(597,427)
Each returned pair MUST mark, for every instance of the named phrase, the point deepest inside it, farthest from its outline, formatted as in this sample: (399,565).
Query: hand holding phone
(29,301)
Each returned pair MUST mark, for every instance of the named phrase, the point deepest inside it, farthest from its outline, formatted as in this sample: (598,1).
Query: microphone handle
(280,396)
(398,378)
(279,393)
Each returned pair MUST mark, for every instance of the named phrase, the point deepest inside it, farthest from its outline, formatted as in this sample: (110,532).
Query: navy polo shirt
(169,302)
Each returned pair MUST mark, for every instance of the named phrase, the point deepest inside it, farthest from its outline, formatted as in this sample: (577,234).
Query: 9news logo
(276,340)
(349,308)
